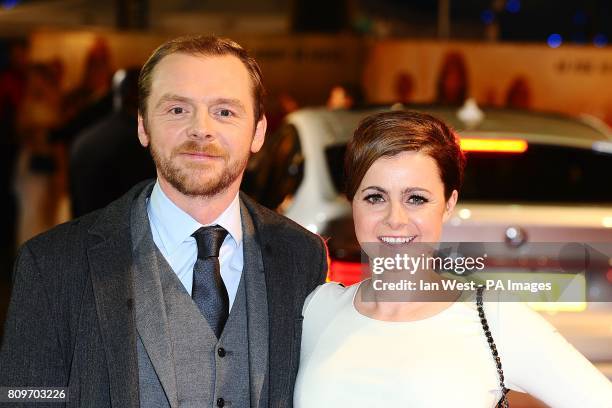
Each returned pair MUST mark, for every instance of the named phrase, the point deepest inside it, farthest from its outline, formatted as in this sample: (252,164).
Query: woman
(404,172)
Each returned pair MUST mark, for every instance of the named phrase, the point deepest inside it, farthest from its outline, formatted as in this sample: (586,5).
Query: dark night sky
(520,20)
(577,21)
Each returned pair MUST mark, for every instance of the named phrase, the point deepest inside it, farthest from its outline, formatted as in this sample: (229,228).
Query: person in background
(13,77)
(518,95)
(284,104)
(38,180)
(344,96)
(452,84)
(106,159)
(95,82)
(403,88)
(91,100)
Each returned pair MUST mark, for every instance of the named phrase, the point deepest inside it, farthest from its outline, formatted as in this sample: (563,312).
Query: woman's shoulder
(329,296)
(512,312)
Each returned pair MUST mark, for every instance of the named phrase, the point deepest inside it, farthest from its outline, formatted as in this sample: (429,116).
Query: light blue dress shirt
(172,229)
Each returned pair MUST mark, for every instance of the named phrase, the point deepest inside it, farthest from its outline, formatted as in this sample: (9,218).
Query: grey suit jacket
(71,315)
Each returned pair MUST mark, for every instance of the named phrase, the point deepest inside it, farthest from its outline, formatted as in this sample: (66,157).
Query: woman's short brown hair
(388,134)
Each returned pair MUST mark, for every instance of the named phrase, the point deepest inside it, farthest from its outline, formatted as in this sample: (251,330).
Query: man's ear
(142,132)
(450,205)
(260,134)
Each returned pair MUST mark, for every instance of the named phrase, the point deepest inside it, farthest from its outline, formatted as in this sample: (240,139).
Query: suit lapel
(277,269)
(150,313)
(280,272)
(110,261)
(109,264)
(257,307)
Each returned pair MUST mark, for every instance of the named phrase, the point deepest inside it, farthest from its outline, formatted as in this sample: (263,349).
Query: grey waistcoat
(179,361)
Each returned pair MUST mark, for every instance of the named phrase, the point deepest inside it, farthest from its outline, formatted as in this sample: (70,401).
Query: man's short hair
(204,46)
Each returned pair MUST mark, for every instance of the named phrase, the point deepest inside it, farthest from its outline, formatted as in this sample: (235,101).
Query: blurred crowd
(64,153)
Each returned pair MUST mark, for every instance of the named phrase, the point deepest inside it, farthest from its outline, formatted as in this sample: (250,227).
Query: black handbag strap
(503,402)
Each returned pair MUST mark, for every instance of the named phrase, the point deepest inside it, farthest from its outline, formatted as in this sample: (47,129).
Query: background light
(554,40)
(493,145)
(487,16)
(513,6)
(9,4)
(600,40)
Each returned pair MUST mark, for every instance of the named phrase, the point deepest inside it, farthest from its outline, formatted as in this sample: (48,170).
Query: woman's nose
(397,216)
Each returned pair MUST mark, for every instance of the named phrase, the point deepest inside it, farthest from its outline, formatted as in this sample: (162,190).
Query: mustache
(193,147)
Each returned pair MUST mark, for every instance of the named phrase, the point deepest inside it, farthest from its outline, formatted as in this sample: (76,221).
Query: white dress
(350,360)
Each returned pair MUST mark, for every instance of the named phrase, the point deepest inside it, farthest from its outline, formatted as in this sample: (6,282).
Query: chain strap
(503,402)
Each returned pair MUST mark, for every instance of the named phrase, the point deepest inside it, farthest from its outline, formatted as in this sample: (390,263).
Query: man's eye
(374,198)
(226,113)
(177,110)
(417,199)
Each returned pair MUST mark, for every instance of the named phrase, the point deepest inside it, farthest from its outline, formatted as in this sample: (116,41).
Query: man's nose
(201,126)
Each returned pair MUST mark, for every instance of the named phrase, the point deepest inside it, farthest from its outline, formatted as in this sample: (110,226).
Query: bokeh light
(554,40)
(600,40)
(487,16)
(9,4)
(513,6)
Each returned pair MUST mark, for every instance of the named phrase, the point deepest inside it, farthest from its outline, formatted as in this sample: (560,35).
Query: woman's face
(401,200)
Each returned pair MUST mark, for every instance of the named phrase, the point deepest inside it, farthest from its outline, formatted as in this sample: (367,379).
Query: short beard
(189,182)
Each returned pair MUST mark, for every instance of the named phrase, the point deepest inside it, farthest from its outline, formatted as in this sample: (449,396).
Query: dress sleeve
(309,299)
(536,359)
(327,296)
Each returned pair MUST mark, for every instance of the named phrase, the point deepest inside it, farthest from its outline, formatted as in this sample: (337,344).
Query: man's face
(200,123)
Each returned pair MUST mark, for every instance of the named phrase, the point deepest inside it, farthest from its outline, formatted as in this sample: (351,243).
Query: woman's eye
(374,198)
(417,200)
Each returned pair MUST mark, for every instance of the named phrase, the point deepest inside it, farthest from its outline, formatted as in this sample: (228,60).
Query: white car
(530,177)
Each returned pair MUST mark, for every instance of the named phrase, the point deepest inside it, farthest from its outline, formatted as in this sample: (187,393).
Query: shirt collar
(175,226)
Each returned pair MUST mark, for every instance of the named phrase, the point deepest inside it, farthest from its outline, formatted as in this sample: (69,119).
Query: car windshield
(545,173)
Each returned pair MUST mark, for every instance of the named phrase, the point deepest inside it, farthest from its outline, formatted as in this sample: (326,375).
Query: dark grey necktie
(208,290)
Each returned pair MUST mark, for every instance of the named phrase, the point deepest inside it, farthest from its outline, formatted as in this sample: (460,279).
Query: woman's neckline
(397,322)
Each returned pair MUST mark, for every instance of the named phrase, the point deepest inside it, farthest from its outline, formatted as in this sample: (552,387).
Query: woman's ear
(450,205)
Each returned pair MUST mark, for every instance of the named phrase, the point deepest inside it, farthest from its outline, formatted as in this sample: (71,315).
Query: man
(183,292)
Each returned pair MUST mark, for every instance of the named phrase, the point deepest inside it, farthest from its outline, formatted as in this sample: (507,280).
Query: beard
(195,179)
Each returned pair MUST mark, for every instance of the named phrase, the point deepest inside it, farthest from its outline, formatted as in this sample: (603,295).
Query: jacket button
(220,402)
(221,352)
